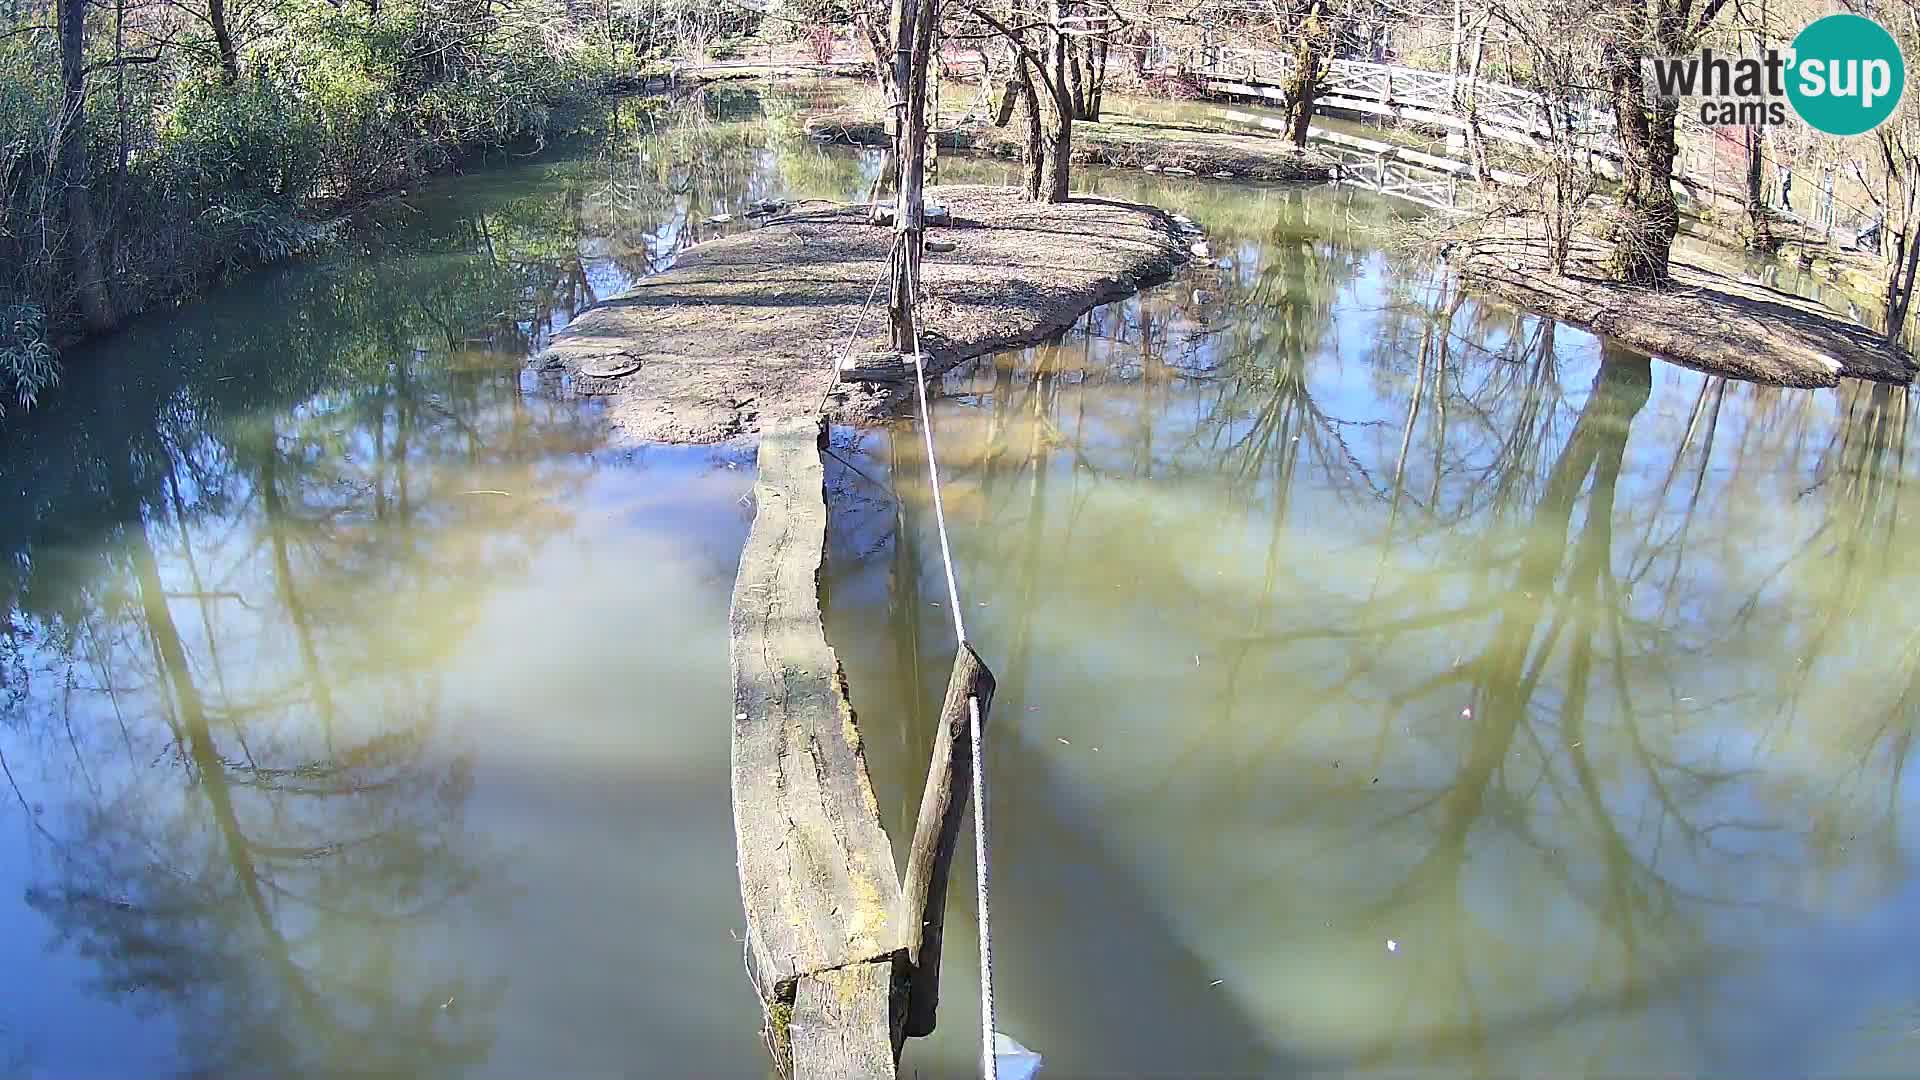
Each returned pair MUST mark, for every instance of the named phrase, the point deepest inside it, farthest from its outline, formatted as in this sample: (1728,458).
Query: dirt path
(1707,320)
(745,330)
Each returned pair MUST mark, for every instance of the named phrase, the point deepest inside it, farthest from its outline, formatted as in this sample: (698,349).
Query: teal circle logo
(1846,75)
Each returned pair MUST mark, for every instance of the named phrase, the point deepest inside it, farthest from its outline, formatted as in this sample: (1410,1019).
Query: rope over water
(989,1066)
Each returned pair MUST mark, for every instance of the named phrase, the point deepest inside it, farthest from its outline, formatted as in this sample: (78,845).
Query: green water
(1392,684)
(362,713)
(354,704)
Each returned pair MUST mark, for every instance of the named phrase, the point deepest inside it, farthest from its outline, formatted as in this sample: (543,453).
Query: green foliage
(27,88)
(27,365)
(251,145)
(193,176)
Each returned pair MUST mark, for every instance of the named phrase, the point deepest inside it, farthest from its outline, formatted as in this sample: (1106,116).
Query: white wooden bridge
(1431,98)
(1436,100)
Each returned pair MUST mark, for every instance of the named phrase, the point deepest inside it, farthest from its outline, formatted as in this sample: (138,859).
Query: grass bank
(1707,319)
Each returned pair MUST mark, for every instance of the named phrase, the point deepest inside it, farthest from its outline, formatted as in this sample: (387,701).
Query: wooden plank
(943,803)
(816,870)
(841,1025)
(881,366)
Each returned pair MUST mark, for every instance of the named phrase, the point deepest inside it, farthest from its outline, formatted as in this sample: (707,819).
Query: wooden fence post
(923,902)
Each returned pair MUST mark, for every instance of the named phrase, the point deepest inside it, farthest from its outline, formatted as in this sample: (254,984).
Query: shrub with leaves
(194,170)
(27,364)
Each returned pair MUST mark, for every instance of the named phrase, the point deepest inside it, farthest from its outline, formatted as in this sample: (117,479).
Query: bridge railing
(1496,104)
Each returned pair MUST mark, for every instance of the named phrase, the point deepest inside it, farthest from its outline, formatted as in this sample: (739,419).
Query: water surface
(361,712)
(1395,684)
(358,709)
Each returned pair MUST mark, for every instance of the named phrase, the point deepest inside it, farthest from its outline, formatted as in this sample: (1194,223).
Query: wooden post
(934,73)
(923,902)
(909,223)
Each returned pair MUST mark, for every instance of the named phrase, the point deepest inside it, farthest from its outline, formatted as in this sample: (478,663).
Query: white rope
(833,378)
(989,1066)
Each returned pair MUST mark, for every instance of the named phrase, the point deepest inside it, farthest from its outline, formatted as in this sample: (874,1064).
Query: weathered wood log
(883,365)
(816,870)
(943,803)
(842,1024)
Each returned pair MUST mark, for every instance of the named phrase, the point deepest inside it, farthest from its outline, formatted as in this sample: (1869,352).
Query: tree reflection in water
(1394,614)
(235,594)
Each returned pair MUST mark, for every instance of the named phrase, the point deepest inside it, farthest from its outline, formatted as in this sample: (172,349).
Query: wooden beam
(842,1023)
(816,870)
(943,803)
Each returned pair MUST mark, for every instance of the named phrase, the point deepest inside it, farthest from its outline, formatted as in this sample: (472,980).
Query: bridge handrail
(1497,102)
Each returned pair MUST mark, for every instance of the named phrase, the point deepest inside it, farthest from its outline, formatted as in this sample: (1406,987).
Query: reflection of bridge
(1431,180)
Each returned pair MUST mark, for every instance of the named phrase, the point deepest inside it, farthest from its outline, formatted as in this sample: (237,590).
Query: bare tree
(1558,53)
(1050,107)
(1896,156)
(1311,26)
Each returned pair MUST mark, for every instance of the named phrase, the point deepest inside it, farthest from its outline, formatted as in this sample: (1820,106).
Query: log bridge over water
(843,952)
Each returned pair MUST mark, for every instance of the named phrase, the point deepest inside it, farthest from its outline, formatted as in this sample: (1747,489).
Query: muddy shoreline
(748,329)
(1706,319)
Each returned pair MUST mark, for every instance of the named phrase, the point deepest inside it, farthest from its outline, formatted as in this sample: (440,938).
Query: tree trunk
(1312,45)
(1036,145)
(1303,86)
(1098,67)
(1453,54)
(1056,167)
(1076,81)
(1759,222)
(1009,97)
(1649,215)
(1476,139)
(877,45)
(223,40)
(1906,256)
(883,180)
(82,240)
(1900,283)
(909,214)
(899,72)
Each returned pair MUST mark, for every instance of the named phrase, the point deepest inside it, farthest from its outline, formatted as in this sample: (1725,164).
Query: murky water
(358,711)
(1394,685)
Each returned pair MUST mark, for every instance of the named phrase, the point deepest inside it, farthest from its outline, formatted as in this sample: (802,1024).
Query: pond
(1390,682)
(1396,684)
